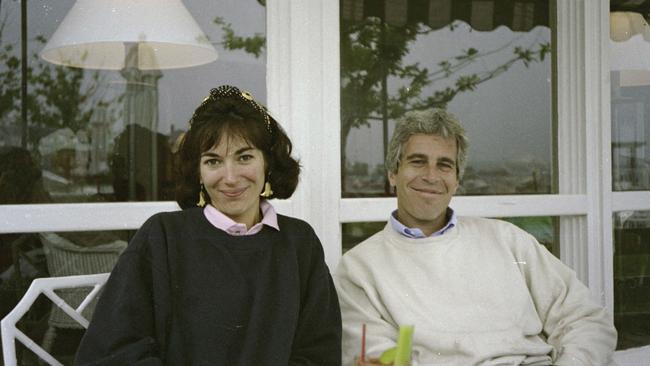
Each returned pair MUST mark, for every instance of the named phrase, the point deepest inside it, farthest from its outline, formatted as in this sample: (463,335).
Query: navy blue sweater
(187,293)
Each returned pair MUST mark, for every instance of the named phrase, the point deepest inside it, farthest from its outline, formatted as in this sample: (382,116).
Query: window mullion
(570,130)
(598,137)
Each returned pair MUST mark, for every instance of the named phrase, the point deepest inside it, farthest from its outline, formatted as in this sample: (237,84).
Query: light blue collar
(416,233)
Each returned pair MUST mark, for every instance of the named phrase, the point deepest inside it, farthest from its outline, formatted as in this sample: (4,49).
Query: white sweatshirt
(484,293)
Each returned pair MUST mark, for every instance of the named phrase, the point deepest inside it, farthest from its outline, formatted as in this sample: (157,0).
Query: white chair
(46,286)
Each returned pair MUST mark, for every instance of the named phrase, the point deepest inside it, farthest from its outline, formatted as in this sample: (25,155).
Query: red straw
(363,342)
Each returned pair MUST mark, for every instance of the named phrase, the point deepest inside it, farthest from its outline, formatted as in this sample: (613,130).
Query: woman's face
(233,175)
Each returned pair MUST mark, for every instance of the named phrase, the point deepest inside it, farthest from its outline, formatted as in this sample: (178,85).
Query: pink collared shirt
(225,223)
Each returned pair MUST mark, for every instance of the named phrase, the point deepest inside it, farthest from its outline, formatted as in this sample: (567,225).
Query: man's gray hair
(428,122)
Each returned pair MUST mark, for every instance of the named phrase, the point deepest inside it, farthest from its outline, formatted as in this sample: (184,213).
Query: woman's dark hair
(229,112)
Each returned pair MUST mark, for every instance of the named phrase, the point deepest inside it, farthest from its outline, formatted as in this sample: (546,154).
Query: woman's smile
(233,174)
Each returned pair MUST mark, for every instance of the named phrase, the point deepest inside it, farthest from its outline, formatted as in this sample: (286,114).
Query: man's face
(425,181)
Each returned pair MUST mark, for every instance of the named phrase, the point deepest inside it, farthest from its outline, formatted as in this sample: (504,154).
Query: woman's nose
(230,172)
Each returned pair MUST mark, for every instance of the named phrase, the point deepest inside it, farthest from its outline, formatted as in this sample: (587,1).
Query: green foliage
(253,45)
(9,81)
(57,97)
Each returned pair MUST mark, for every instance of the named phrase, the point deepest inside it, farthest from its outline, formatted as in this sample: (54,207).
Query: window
(487,62)
(632,278)
(630,179)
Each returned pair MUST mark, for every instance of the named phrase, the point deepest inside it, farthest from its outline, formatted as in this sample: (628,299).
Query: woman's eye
(211,162)
(245,157)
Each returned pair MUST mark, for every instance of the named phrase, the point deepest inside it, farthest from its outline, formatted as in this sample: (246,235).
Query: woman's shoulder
(175,216)
(298,232)
(293,223)
(171,221)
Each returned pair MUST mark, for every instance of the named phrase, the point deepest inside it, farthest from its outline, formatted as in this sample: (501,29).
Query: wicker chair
(64,258)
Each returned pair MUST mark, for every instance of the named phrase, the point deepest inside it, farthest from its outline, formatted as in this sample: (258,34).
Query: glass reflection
(630,93)
(630,129)
(109,135)
(632,278)
(488,62)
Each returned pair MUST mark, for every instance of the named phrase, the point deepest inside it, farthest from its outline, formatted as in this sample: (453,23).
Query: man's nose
(431,173)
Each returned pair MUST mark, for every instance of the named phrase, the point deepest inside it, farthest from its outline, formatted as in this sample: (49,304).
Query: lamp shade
(94,35)
(625,24)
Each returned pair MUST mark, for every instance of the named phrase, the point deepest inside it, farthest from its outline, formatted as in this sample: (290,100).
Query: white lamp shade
(94,34)
(625,24)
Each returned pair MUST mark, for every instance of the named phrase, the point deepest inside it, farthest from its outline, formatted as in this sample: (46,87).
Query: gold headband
(227,91)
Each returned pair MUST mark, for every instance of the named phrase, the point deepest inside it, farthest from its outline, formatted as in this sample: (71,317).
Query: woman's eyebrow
(215,155)
(243,150)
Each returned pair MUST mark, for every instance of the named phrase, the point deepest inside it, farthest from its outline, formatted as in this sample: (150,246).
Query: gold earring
(267,190)
(201,202)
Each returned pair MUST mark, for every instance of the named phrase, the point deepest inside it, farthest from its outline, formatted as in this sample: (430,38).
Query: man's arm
(357,309)
(581,331)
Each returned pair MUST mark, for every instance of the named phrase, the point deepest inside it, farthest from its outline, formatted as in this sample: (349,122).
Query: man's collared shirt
(415,233)
(225,223)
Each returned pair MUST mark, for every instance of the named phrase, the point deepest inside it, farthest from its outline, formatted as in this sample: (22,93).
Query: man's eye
(446,166)
(417,162)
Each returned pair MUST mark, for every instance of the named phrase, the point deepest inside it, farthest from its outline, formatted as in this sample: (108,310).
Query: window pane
(487,62)
(632,278)
(543,228)
(92,134)
(630,83)
(26,256)
(355,233)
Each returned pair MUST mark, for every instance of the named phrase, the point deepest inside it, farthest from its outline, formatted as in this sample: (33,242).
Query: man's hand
(370,362)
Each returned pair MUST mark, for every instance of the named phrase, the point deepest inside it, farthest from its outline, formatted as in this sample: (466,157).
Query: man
(479,291)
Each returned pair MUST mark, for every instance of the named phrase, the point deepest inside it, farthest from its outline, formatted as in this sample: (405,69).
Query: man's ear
(391,179)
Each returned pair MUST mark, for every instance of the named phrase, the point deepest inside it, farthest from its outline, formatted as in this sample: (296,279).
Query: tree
(58,96)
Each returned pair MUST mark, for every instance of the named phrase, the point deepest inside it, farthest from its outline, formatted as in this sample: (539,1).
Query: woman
(230,282)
